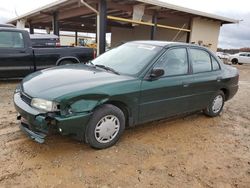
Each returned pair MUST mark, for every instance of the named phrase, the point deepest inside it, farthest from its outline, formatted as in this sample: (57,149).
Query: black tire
(235,61)
(66,62)
(101,112)
(209,110)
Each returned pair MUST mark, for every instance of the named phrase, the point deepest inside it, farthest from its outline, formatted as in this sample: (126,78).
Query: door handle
(186,84)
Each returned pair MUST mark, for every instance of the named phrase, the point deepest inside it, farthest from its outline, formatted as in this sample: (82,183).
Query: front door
(15,58)
(243,58)
(164,97)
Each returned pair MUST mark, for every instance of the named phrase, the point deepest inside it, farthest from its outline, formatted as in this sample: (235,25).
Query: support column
(101,26)
(55,24)
(76,38)
(153,28)
(31,28)
(189,33)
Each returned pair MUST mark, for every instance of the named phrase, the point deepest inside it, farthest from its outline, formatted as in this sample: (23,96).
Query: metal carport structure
(99,16)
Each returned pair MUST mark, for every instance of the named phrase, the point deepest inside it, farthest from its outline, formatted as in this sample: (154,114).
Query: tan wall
(141,32)
(206,31)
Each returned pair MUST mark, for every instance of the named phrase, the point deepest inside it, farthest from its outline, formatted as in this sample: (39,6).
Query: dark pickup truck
(18,58)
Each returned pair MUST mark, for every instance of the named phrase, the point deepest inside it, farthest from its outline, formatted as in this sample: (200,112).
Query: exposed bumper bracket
(37,136)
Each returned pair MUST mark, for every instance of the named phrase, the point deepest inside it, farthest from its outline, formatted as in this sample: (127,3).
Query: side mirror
(156,73)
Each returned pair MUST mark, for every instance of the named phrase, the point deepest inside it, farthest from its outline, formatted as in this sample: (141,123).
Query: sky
(231,35)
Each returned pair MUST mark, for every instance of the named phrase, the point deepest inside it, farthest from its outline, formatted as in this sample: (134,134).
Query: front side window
(128,59)
(10,39)
(243,55)
(201,61)
(174,62)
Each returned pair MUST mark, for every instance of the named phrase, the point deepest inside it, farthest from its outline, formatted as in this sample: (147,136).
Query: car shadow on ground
(69,144)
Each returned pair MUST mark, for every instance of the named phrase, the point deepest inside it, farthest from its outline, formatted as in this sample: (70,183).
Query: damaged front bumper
(37,136)
(37,125)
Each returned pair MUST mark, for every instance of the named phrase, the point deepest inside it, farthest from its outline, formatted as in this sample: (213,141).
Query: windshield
(129,58)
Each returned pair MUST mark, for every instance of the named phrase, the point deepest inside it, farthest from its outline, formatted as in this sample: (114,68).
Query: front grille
(27,99)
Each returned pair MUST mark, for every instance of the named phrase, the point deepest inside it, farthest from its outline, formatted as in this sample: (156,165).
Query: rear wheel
(216,105)
(105,127)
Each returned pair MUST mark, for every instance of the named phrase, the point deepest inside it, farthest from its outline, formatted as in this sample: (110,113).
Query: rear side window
(174,62)
(215,64)
(201,61)
(11,39)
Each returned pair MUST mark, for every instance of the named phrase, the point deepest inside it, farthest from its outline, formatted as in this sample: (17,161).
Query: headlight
(45,105)
(18,88)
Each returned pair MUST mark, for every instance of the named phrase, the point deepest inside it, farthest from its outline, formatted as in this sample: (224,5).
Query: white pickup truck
(240,58)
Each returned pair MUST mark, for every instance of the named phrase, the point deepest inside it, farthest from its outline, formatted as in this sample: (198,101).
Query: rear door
(165,97)
(46,57)
(16,58)
(205,79)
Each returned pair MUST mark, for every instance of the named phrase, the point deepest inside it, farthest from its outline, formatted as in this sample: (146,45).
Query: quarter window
(174,62)
(11,39)
(215,64)
(201,61)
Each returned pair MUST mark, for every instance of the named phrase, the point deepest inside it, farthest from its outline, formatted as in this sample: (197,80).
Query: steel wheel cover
(107,129)
(217,104)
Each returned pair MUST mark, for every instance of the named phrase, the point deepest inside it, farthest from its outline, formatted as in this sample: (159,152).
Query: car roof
(7,25)
(11,29)
(165,44)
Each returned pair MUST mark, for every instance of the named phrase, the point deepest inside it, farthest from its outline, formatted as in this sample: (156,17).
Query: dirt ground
(192,151)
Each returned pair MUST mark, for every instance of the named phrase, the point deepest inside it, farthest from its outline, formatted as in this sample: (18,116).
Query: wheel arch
(71,58)
(226,93)
(124,108)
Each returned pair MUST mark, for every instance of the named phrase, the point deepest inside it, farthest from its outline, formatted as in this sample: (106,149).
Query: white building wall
(205,32)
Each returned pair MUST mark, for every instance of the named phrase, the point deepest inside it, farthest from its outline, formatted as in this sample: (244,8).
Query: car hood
(56,82)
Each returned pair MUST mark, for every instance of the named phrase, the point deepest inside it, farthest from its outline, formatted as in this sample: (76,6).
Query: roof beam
(146,23)
(64,15)
(74,12)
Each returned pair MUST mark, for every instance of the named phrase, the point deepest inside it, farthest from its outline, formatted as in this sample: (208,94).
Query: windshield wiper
(108,69)
(90,62)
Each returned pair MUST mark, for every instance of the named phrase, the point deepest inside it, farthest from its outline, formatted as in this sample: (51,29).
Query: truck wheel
(105,127)
(216,105)
(66,62)
(234,61)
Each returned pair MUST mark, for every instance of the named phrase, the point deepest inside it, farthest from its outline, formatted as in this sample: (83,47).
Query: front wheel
(235,61)
(105,126)
(216,105)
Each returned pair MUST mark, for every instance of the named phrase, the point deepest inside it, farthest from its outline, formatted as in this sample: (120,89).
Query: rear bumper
(232,91)
(37,125)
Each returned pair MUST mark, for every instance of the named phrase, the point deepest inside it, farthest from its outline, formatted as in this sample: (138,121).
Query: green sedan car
(137,82)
